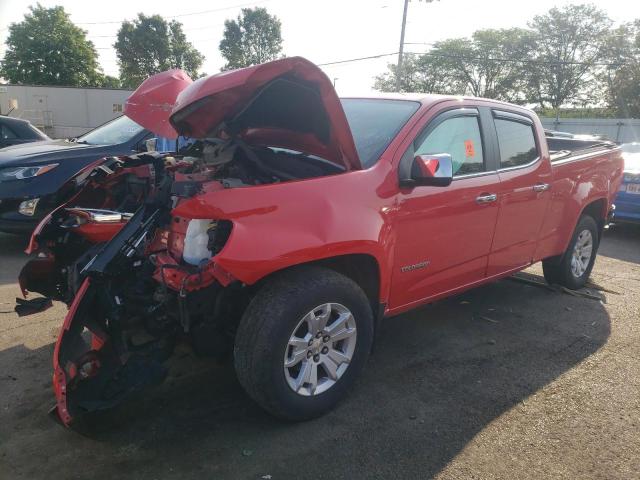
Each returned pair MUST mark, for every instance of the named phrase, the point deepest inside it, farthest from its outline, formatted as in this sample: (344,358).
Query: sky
(322,31)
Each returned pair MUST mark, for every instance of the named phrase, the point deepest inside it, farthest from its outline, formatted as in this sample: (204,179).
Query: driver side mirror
(434,170)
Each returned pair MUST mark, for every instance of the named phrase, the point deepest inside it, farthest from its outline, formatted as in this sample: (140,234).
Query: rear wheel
(303,341)
(573,268)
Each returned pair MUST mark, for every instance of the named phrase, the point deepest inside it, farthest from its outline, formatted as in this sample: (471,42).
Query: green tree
(622,76)
(46,48)
(149,45)
(253,38)
(420,73)
(570,43)
(495,71)
(107,81)
(463,66)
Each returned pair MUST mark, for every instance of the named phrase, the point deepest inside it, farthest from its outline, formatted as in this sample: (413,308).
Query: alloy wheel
(582,251)
(320,349)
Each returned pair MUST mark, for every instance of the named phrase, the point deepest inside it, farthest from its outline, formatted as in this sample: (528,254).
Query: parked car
(16,131)
(628,199)
(37,177)
(304,221)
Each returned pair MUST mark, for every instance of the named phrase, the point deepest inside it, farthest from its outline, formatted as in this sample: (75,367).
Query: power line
(463,57)
(458,57)
(230,7)
(221,9)
(513,60)
(185,30)
(356,59)
(202,12)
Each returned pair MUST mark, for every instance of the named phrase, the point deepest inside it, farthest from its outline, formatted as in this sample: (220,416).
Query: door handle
(487,198)
(541,187)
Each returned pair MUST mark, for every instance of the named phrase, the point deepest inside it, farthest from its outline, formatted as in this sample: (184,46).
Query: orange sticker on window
(469,151)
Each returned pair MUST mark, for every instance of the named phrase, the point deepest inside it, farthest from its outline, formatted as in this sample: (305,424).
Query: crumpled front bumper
(91,370)
(65,409)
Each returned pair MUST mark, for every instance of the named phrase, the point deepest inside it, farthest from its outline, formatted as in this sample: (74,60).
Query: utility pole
(401,49)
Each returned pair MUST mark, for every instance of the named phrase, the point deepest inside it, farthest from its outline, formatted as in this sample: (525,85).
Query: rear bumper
(627,208)
(622,217)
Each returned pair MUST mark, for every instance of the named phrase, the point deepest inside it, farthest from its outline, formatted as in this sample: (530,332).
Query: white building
(62,112)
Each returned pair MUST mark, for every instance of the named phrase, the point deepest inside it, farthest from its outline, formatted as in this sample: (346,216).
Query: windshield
(120,130)
(374,123)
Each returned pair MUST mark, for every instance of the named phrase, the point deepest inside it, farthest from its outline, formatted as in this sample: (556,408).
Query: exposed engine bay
(138,279)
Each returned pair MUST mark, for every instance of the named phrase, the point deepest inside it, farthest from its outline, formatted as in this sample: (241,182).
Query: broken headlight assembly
(204,238)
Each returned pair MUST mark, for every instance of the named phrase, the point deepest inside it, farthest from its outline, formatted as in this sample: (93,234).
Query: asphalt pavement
(510,380)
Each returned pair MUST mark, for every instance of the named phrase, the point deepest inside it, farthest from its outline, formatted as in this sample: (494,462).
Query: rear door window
(517,143)
(460,138)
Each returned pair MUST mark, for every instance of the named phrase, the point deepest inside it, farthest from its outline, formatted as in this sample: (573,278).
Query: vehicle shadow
(438,376)
(12,256)
(622,242)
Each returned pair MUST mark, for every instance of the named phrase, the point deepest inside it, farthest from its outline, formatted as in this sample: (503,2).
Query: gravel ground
(505,381)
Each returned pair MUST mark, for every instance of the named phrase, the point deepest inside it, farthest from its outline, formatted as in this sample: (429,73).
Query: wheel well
(362,268)
(597,211)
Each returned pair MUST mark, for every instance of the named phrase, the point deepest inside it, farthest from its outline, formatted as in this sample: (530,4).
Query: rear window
(517,143)
(374,123)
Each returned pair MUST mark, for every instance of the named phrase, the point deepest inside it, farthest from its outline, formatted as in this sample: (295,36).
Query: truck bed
(562,148)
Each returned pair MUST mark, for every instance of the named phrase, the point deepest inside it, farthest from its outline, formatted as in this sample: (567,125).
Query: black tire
(269,321)
(557,270)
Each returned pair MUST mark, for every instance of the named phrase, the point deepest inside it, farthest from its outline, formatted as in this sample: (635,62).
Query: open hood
(288,103)
(153,101)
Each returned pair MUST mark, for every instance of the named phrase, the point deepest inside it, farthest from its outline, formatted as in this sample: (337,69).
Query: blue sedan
(628,199)
(36,177)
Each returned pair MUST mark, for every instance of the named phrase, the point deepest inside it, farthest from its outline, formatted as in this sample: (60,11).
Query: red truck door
(523,193)
(444,234)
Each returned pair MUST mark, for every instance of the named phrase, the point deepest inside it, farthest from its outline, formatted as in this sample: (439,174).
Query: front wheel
(573,268)
(303,341)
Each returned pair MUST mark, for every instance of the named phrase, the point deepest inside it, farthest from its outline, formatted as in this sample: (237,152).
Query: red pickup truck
(294,224)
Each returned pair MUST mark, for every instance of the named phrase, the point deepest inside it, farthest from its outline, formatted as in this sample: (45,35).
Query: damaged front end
(131,297)
(116,334)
